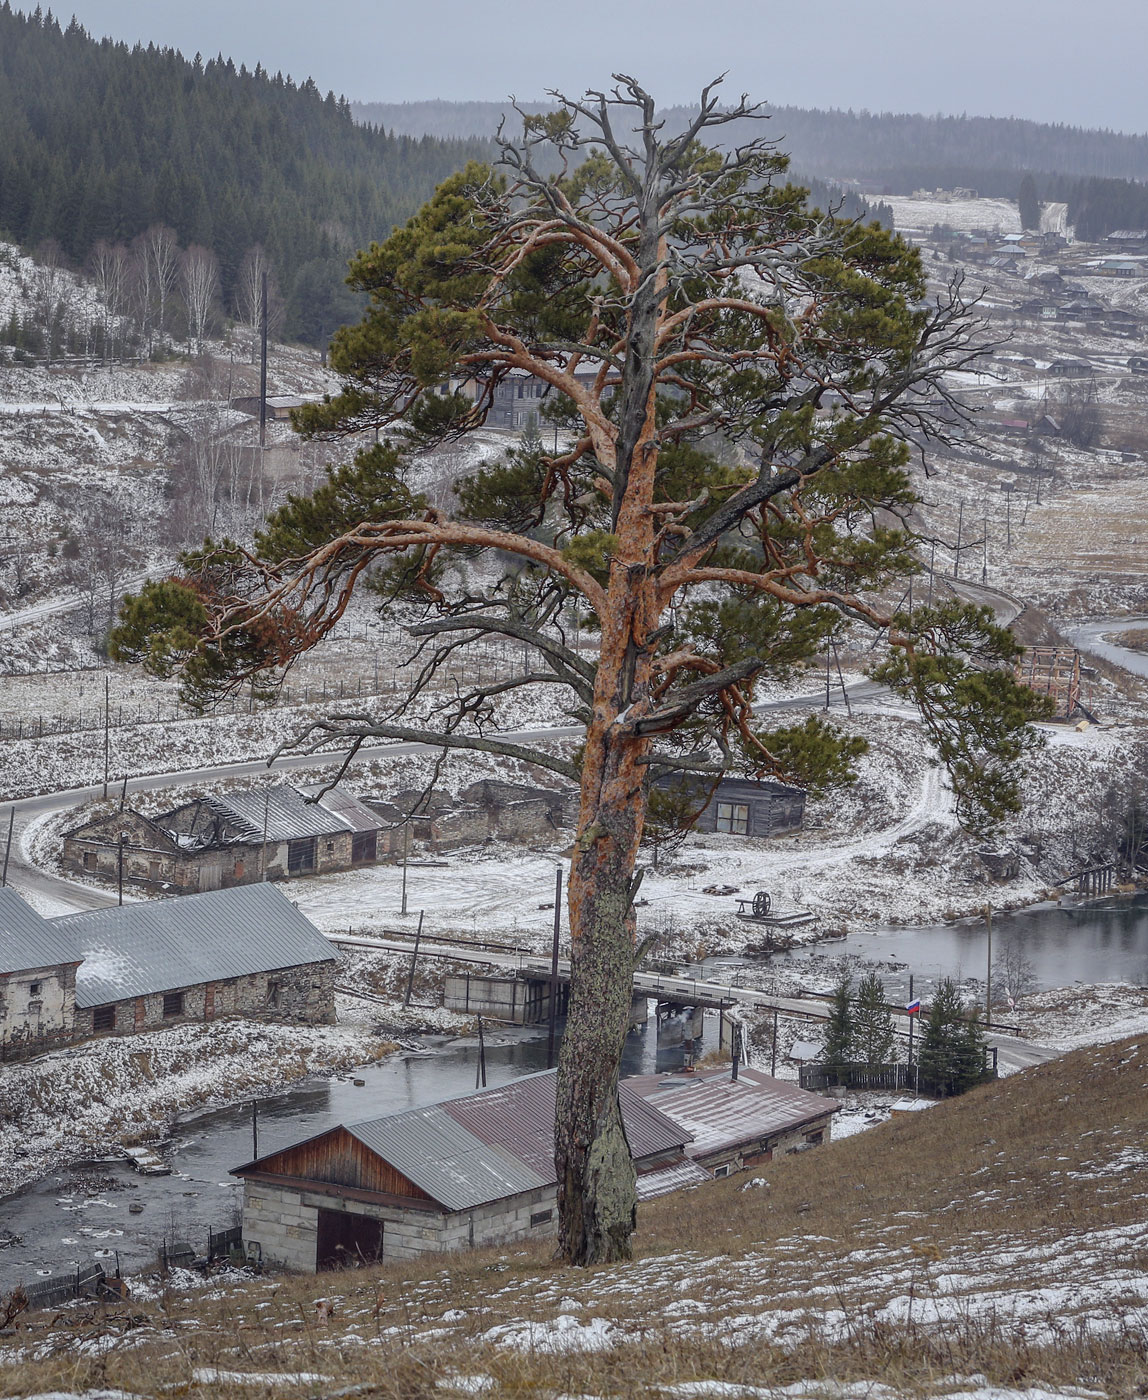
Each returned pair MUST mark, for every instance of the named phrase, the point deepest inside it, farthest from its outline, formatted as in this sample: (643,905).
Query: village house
(240,952)
(37,975)
(738,806)
(237,838)
(471,1171)
(738,1123)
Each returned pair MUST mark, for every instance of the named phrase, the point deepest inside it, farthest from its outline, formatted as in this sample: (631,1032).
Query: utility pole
(8,846)
(120,868)
(263,362)
(932,564)
(414,960)
(960,532)
(254,1130)
(406,853)
(480,1074)
(554,967)
(773,1057)
(984,549)
(911,1021)
(989,965)
(107,730)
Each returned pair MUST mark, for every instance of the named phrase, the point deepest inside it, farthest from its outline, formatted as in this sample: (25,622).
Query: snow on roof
(27,939)
(167,944)
(289,814)
(720,1111)
(485,1146)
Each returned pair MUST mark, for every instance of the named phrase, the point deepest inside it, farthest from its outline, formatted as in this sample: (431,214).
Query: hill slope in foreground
(994,1245)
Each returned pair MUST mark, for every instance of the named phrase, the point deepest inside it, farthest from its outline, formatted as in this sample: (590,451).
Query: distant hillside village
(217,841)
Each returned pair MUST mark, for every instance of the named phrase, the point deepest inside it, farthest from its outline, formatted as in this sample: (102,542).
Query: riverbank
(90,1100)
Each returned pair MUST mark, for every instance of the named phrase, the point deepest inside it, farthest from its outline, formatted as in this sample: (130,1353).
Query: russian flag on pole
(913,1008)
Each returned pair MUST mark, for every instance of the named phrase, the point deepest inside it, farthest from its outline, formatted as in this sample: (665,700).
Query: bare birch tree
(199,284)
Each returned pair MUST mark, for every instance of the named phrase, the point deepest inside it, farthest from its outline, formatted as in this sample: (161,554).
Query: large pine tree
(709,517)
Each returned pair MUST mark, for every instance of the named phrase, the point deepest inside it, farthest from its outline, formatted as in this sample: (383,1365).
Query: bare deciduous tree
(199,284)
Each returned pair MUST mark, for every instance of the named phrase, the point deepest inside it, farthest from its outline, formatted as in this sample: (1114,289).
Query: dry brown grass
(902,1254)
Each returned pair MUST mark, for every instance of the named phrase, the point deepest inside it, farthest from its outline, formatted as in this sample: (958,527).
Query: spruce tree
(874,1043)
(953,1049)
(837,1050)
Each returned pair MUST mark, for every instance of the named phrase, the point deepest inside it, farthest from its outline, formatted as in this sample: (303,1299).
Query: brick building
(471,1171)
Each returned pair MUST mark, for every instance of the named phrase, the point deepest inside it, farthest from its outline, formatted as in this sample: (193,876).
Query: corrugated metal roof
(438,1154)
(662,1180)
(497,1142)
(354,815)
(288,814)
(27,939)
(164,944)
(721,1112)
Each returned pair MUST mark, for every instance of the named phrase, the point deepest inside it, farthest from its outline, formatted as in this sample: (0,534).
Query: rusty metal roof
(498,1142)
(163,945)
(28,941)
(720,1112)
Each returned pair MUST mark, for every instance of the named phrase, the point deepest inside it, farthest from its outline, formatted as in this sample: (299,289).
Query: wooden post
(254,1130)
(8,846)
(960,532)
(480,1073)
(773,1058)
(107,729)
(406,853)
(414,960)
(124,792)
(989,966)
(120,868)
(263,366)
(912,1019)
(554,967)
(263,853)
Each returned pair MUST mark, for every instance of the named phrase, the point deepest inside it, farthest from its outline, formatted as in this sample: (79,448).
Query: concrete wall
(305,993)
(37,1001)
(284,1223)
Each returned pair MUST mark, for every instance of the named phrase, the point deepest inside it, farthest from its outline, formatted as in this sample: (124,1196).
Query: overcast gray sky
(1074,61)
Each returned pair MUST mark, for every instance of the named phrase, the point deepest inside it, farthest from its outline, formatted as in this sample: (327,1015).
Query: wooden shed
(739,806)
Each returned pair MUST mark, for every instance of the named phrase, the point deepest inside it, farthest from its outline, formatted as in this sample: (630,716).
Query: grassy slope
(1003,1234)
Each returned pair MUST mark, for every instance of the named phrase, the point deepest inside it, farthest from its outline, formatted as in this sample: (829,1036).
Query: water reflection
(67,1216)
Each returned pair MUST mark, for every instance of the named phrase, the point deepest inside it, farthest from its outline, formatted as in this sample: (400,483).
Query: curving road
(64,896)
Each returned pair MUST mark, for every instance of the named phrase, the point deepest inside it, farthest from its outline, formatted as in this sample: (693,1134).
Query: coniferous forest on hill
(101,142)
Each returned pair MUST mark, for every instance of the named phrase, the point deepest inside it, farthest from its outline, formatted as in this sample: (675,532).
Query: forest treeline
(102,142)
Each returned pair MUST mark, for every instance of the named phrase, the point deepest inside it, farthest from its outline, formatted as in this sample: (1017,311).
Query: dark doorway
(347,1241)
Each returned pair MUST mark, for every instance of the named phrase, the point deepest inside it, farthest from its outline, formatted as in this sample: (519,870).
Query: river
(83,1213)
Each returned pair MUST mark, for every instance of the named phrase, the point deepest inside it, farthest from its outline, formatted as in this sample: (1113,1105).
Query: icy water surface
(83,1213)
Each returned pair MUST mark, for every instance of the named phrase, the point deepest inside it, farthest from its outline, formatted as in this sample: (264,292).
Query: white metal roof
(165,944)
(27,940)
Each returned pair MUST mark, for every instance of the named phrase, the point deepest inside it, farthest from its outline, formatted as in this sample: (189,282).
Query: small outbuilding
(216,841)
(471,1171)
(737,806)
(738,1123)
(239,952)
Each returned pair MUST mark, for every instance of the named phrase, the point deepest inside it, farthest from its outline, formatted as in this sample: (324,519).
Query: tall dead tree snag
(740,378)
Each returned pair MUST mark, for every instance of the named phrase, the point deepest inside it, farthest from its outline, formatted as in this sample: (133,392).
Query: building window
(541,1217)
(35,1007)
(722,1171)
(733,817)
(103,1018)
(364,846)
(815,1139)
(301,855)
(34,989)
(273,993)
(330,848)
(172,1004)
(91,860)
